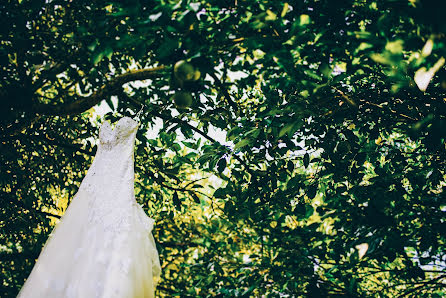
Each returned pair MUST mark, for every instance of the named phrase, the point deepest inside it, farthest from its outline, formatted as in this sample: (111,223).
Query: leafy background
(326,178)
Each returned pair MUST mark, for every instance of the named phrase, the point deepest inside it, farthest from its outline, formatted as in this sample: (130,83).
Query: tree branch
(224,91)
(85,103)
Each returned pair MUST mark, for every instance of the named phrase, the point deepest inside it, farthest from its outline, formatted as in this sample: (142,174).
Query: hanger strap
(139,112)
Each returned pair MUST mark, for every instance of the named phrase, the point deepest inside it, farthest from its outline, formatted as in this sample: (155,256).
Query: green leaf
(176,147)
(395,47)
(309,210)
(92,46)
(110,103)
(304,20)
(221,165)
(253,133)
(220,193)
(284,9)
(233,133)
(271,16)
(312,74)
(108,52)
(242,144)
(312,191)
(286,129)
(195,197)
(423,76)
(229,207)
(176,200)
(97,57)
(189,144)
(306,160)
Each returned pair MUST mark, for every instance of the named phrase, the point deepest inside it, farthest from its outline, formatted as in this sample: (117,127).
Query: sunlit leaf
(423,76)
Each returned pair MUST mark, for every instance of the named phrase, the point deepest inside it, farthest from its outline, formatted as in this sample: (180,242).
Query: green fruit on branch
(182,100)
(185,71)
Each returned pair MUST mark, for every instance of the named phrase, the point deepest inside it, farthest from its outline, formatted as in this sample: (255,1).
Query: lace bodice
(122,133)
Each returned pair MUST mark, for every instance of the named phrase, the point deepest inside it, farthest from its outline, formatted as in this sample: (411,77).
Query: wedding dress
(103,245)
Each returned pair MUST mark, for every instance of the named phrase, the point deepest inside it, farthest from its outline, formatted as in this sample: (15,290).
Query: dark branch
(85,103)
(224,91)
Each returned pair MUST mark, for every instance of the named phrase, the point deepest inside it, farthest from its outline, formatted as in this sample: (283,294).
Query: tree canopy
(329,178)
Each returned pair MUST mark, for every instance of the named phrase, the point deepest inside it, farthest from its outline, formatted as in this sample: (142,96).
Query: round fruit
(182,99)
(184,71)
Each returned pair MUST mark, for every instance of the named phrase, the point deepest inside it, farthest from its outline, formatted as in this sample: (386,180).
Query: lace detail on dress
(124,129)
(106,134)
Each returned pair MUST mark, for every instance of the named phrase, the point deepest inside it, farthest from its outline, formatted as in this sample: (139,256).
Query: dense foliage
(331,177)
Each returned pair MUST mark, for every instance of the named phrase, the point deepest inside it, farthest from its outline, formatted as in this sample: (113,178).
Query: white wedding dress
(103,245)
